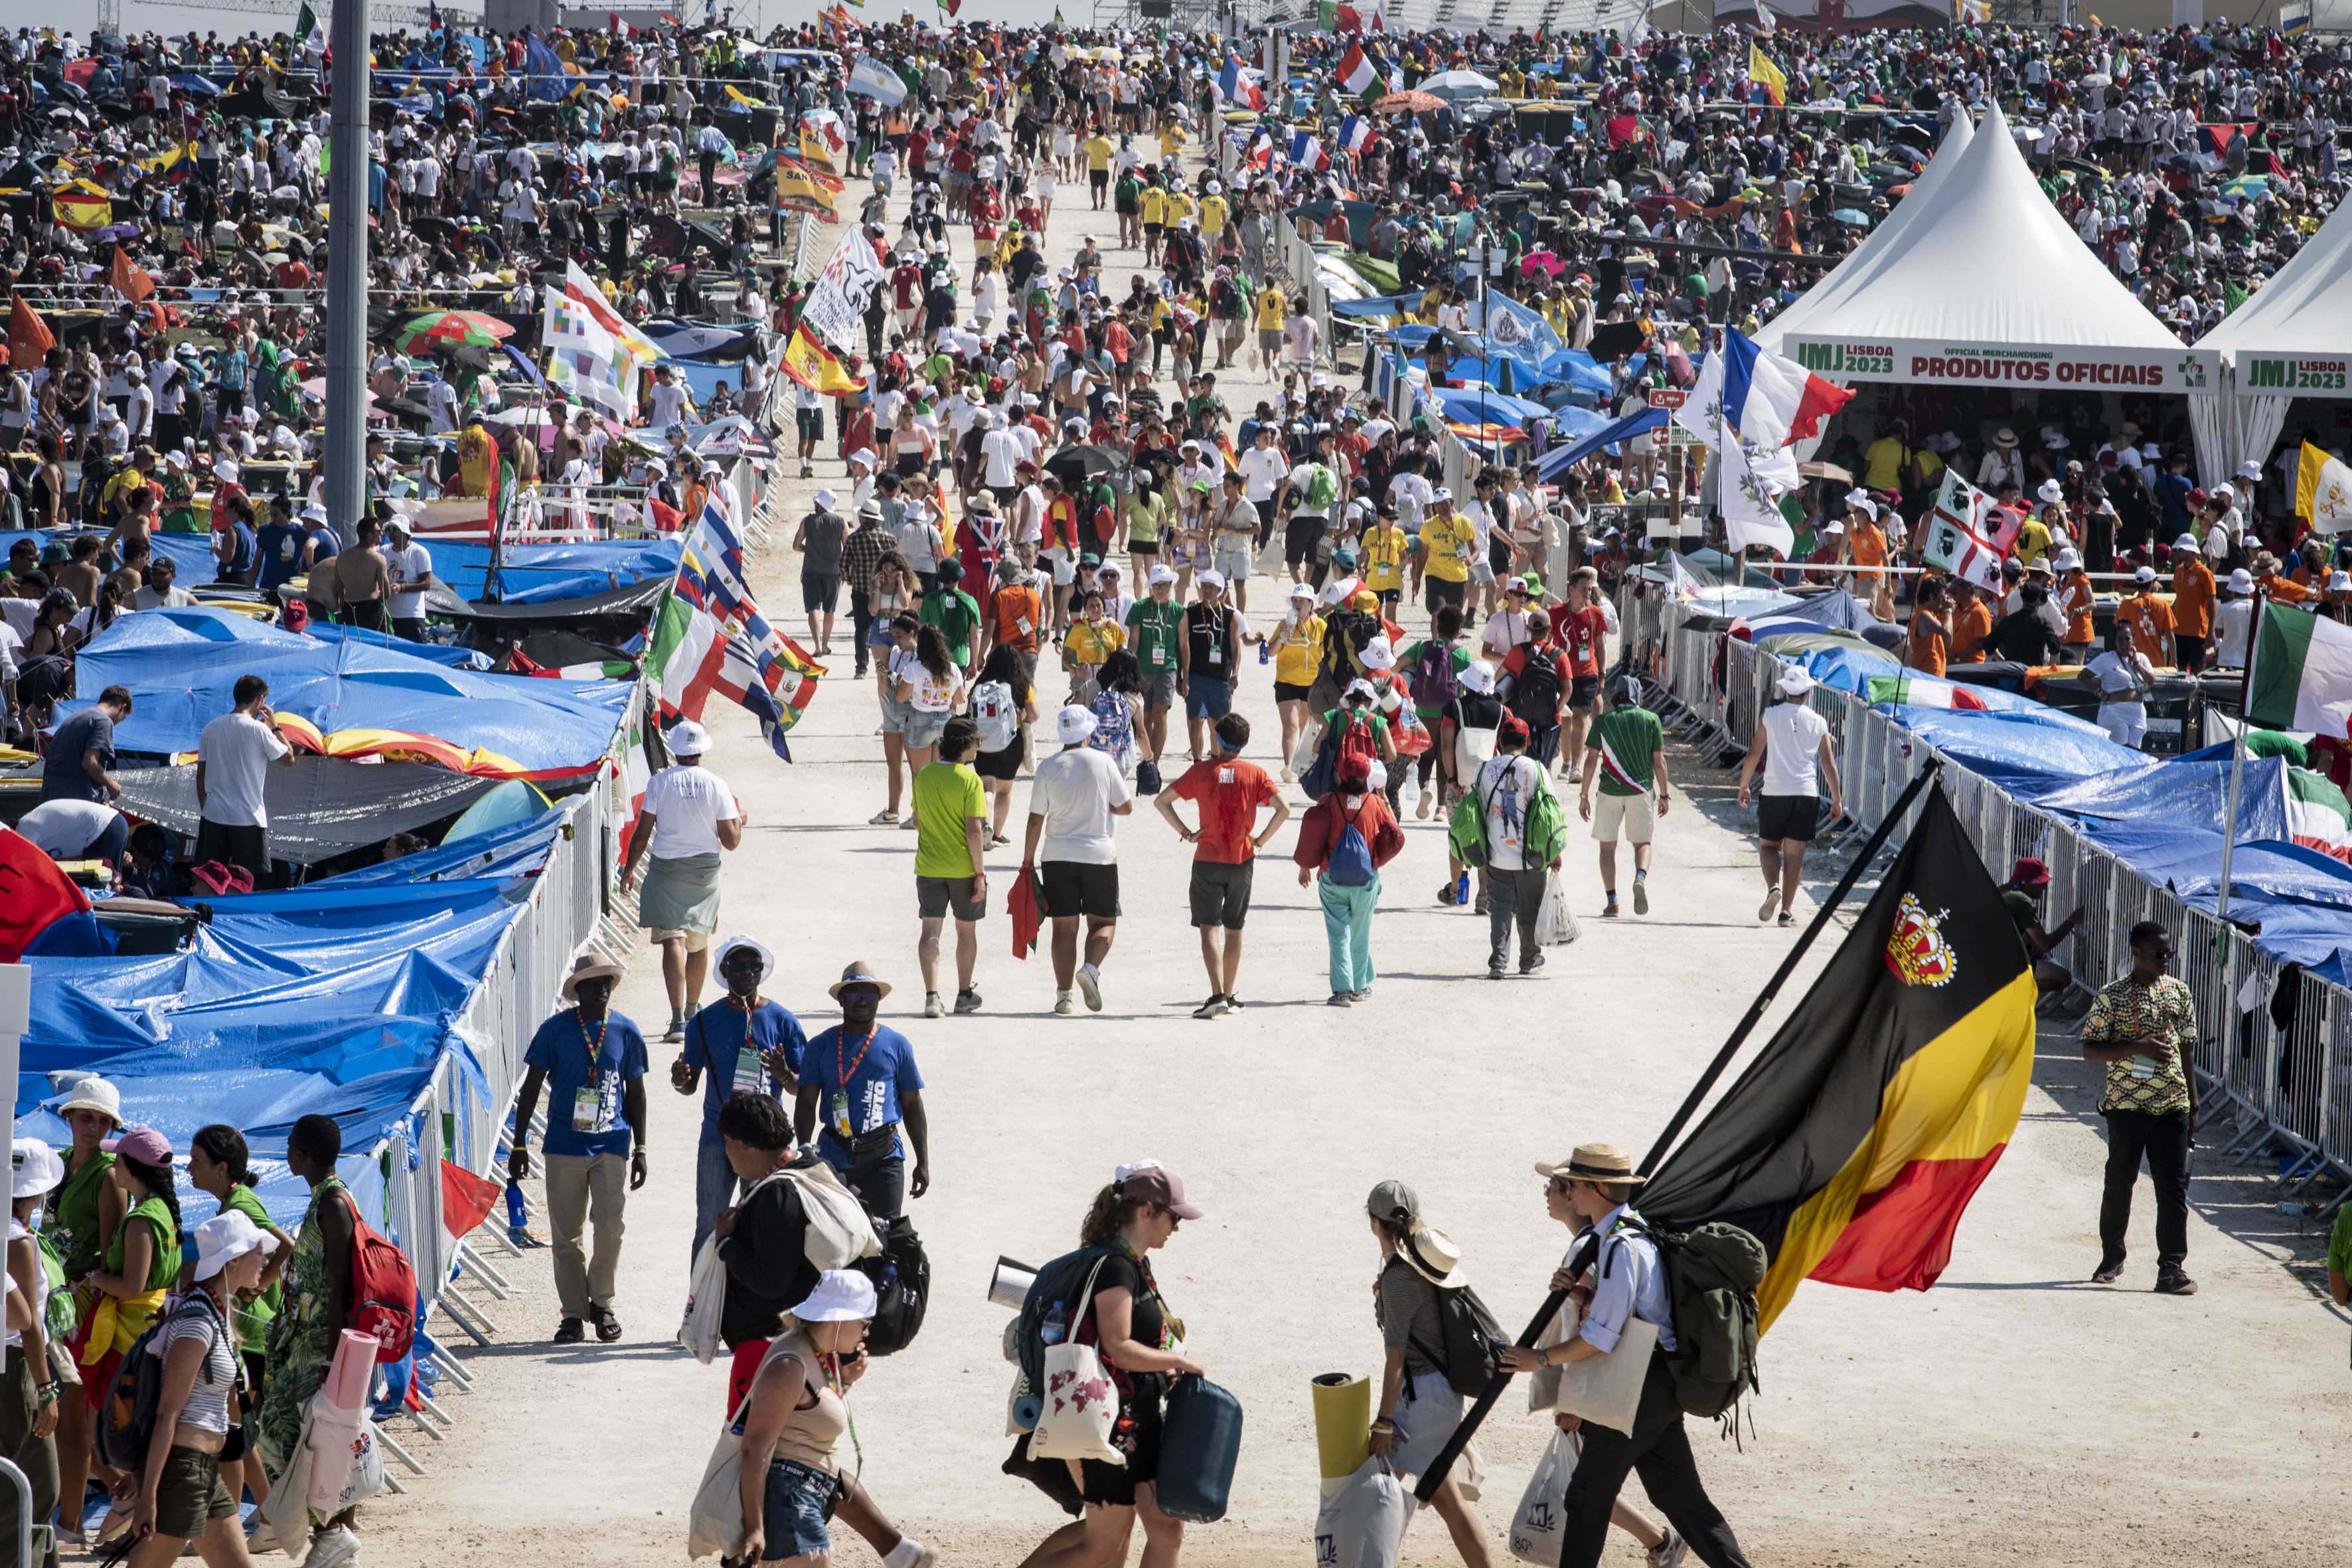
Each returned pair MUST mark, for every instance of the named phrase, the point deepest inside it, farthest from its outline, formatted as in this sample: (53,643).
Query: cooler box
(1199,1445)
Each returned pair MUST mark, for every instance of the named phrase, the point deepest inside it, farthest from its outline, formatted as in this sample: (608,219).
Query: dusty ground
(2014,1414)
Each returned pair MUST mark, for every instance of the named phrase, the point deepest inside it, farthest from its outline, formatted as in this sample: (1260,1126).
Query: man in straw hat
(689,816)
(593,1060)
(1598,1181)
(858,1082)
(746,1044)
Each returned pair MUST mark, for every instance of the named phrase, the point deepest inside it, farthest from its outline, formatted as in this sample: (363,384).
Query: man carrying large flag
(709,636)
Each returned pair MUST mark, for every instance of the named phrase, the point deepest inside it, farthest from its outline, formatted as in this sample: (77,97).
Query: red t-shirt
(1228,791)
(1582,635)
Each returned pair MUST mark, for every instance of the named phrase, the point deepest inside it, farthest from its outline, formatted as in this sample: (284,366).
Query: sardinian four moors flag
(836,308)
(2300,677)
(1854,1143)
(1968,533)
(1750,407)
(709,637)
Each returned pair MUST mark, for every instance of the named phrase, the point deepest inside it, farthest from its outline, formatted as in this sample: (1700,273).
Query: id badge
(750,1074)
(839,1107)
(1158,656)
(587,1109)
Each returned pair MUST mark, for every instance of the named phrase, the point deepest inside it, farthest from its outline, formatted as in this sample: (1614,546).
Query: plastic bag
(1310,742)
(1538,1526)
(705,1302)
(1362,1523)
(1557,925)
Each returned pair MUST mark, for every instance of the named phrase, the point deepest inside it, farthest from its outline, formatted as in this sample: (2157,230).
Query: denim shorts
(1209,697)
(799,1502)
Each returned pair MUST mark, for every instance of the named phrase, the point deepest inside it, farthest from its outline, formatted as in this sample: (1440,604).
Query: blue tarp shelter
(535,573)
(1556,462)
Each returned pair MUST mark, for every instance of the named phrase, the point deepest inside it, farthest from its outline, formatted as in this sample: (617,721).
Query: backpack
(1434,682)
(1712,1272)
(383,1291)
(1468,1335)
(1535,693)
(1322,488)
(1350,862)
(993,710)
(902,1289)
(1054,1291)
(1345,633)
(126,1418)
(1352,738)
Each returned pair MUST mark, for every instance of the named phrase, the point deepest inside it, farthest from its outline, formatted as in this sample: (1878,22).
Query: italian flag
(2317,815)
(2301,675)
(1924,692)
(1358,72)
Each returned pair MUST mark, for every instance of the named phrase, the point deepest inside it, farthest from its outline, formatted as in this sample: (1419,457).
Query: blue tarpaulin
(455,658)
(2180,791)
(1841,662)
(535,573)
(191,553)
(2024,753)
(1556,462)
(507,851)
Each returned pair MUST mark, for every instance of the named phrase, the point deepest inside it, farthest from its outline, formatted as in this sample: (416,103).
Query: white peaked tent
(1988,286)
(2292,339)
(1917,200)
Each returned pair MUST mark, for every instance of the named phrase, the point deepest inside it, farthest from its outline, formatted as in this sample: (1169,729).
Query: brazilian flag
(1855,1139)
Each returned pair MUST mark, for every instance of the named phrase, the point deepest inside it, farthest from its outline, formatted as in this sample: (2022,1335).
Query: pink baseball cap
(144,1144)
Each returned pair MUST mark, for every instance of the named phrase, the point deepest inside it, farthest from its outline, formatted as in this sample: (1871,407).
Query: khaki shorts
(695,941)
(1633,817)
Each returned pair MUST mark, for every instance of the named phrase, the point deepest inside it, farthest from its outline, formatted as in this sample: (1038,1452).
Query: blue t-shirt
(584,1108)
(858,1089)
(715,1044)
(2173,491)
(62,774)
(279,547)
(242,561)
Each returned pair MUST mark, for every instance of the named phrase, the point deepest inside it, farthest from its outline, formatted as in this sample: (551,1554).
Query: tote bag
(715,1521)
(1081,1404)
(1540,1521)
(705,1304)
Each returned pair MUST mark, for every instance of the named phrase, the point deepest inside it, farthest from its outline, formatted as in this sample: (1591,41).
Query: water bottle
(1052,1331)
(2295,1210)
(1265,650)
(518,1211)
(1462,888)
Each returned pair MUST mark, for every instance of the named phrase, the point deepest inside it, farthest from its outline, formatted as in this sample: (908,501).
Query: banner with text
(1927,361)
(836,308)
(2296,375)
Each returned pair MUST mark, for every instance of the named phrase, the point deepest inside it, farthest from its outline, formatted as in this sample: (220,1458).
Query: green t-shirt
(164,1263)
(1146,516)
(252,1318)
(1627,738)
(947,794)
(2339,1243)
(1154,626)
(957,614)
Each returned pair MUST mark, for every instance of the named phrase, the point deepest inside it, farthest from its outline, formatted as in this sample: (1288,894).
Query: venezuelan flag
(1852,1144)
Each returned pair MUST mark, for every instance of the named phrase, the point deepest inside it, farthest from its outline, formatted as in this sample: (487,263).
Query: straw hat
(1432,1255)
(1593,1162)
(858,973)
(587,966)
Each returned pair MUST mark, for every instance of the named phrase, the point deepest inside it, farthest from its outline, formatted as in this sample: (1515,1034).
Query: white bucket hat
(1379,655)
(34,1168)
(767,959)
(228,1236)
(1075,724)
(94,1093)
(1478,676)
(687,738)
(1794,683)
(842,1295)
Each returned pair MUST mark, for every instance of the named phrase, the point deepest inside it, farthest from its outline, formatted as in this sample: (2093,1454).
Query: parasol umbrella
(453,329)
(1546,262)
(1459,85)
(1852,217)
(1081,463)
(1829,471)
(1407,104)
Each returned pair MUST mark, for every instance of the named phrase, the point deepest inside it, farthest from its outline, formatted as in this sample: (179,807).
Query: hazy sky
(142,15)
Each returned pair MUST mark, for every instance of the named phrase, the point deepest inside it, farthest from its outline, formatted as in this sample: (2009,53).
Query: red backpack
(383,1292)
(1355,741)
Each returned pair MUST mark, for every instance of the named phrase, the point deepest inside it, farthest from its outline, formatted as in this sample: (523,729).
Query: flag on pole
(306,23)
(466,1200)
(128,278)
(2301,675)
(1769,399)
(1359,72)
(2322,490)
(30,338)
(876,81)
(709,637)
(582,288)
(1235,88)
(1852,1145)
(1968,533)
(1355,133)
(1766,23)
(1307,152)
(586,361)
(817,367)
(1767,76)
(799,190)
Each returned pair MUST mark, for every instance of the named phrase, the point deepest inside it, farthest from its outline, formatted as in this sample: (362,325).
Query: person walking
(1228,791)
(746,1044)
(860,1077)
(2141,1027)
(219,1166)
(1519,834)
(1418,1409)
(1344,839)
(1625,752)
(688,817)
(950,813)
(794,1423)
(233,757)
(302,1339)
(1003,707)
(1208,661)
(85,1210)
(29,1391)
(594,1060)
(1598,1181)
(1792,747)
(1072,796)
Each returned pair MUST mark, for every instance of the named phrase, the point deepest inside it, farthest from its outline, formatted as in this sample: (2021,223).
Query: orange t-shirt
(1019,611)
(1970,627)
(1926,645)
(2074,597)
(2192,599)
(2285,590)
(2150,619)
(1868,541)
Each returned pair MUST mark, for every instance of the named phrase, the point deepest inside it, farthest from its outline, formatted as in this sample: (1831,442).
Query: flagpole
(2237,772)
(1434,1476)
(344,447)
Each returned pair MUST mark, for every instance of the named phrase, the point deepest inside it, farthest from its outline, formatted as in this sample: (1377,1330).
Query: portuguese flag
(2301,672)
(1854,1143)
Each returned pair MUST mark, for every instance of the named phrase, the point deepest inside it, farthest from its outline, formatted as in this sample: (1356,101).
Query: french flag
(1307,152)
(1358,72)
(1233,89)
(1355,135)
(1771,400)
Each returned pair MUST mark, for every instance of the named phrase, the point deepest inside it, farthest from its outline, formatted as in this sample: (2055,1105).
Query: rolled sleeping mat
(1008,1287)
(1343,1423)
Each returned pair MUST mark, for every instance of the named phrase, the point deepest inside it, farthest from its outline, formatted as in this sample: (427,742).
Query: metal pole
(345,445)
(2237,770)
(1434,1476)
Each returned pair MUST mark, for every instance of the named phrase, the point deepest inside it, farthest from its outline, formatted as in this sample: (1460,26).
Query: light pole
(344,447)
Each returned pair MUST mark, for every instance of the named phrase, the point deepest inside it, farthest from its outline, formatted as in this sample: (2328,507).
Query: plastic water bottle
(1265,650)
(1462,888)
(2295,1210)
(1052,1331)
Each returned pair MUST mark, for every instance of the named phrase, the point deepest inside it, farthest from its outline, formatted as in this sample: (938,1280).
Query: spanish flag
(1767,76)
(1852,1144)
(82,206)
(816,367)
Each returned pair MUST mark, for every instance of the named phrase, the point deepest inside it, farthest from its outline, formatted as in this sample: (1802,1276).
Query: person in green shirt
(219,1166)
(954,611)
(1152,625)
(1625,751)
(1419,666)
(950,807)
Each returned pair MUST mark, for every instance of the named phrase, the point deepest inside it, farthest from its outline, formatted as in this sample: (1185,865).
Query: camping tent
(2292,339)
(1942,303)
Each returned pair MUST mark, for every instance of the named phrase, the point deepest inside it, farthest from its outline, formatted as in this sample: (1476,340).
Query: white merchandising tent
(2292,339)
(1840,279)
(1989,286)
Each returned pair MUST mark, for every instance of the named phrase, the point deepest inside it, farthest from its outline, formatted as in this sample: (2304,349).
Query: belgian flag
(1855,1139)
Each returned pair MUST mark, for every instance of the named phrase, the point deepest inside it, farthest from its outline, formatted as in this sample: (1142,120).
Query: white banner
(836,308)
(586,361)
(1927,361)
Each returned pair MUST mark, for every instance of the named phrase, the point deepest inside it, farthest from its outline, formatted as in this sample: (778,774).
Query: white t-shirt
(1792,739)
(1074,791)
(689,803)
(1506,784)
(237,750)
(62,830)
(929,693)
(409,565)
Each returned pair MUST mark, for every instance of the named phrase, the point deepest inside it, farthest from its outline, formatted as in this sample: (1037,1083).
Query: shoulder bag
(1081,1405)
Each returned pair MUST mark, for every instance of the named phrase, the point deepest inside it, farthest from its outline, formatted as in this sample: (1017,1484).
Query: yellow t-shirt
(1155,204)
(1297,650)
(2032,542)
(1180,207)
(1091,642)
(1270,304)
(1099,150)
(1213,214)
(1384,558)
(1449,542)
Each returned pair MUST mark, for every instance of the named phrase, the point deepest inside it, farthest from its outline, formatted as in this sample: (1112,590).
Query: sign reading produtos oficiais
(1922,359)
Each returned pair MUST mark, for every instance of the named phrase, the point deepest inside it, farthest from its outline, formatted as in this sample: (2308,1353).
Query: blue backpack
(1350,865)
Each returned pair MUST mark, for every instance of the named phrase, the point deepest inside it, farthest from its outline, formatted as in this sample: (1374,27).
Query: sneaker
(1786,919)
(2175,1282)
(1445,895)
(909,824)
(1341,999)
(1493,972)
(1771,901)
(882,820)
(932,1006)
(336,1548)
(1359,996)
(1232,1003)
(999,842)
(1062,1007)
(967,1001)
(2108,1272)
(1669,1552)
(608,1326)
(1608,909)
(677,1030)
(1478,905)
(1090,987)
(571,1332)
(1641,897)
(1529,963)
(1428,803)
(1214,1007)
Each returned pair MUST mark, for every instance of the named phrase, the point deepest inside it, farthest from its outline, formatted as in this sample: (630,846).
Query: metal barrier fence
(2273,1075)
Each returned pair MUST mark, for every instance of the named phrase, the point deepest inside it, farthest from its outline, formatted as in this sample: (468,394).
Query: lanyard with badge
(751,1071)
(588,1100)
(839,1105)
